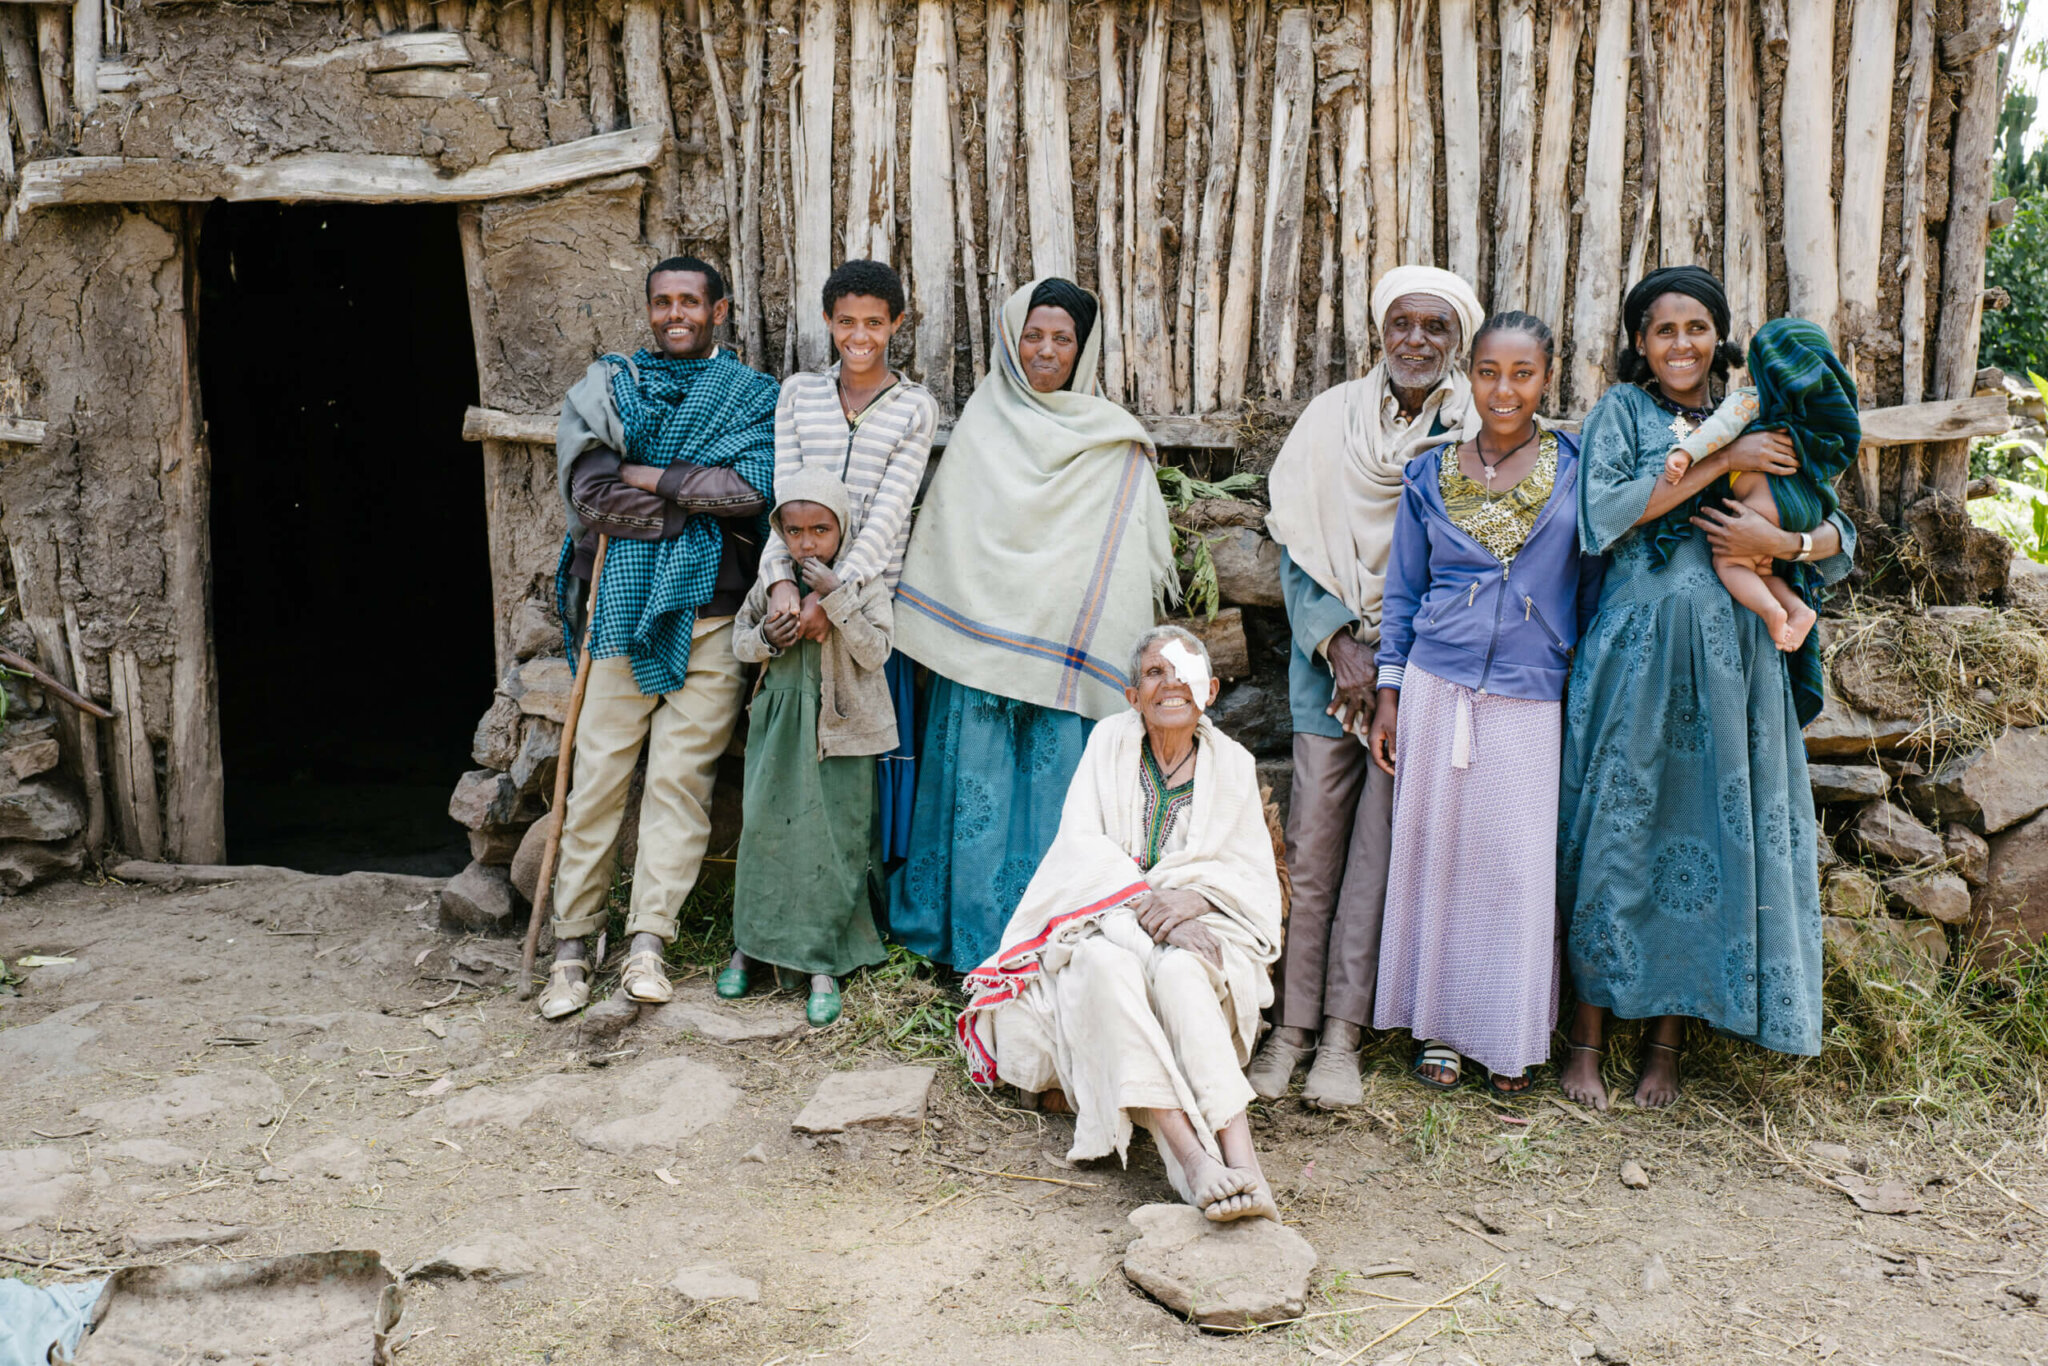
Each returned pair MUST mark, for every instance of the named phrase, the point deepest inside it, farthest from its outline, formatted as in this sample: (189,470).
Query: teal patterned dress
(1686,846)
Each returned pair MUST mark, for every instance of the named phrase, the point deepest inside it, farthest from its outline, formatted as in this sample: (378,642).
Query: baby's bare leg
(1751,583)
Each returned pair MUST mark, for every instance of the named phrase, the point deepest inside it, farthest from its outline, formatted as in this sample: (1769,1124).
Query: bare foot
(1657,1087)
(1511,1086)
(1210,1183)
(1255,1201)
(1581,1080)
(1776,622)
(1798,623)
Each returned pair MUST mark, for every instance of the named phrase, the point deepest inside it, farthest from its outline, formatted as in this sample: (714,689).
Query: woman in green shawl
(1041,552)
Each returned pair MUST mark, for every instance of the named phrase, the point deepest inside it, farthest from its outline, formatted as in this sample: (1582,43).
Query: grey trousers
(1340,826)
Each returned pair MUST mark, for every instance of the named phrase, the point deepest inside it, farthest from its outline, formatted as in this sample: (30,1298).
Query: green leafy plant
(1200,593)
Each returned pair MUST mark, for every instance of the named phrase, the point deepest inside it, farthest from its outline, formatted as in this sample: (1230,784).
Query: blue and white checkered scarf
(715,412)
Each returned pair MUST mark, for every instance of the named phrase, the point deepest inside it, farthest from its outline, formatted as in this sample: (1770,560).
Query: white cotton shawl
(1043,546)
(1336,484)
(1091,870)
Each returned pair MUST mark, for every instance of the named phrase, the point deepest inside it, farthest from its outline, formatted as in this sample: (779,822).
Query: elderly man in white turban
(1335,489)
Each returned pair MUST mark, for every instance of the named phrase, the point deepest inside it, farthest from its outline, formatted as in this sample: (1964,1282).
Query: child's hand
(780,629)
(1675,465)
(814,624)
(785,597)
(819,576)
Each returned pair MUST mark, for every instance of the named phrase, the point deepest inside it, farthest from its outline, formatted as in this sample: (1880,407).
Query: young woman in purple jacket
(1486,592)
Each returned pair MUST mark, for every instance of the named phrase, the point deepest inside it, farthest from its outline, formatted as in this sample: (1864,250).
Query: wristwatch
(1805,546)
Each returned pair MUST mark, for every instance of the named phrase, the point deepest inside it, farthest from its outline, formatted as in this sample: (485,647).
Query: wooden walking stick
(565,758)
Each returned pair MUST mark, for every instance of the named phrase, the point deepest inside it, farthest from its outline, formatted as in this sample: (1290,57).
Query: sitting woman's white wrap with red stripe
(1134,1025)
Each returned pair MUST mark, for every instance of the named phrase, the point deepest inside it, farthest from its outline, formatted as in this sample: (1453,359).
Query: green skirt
(803,898)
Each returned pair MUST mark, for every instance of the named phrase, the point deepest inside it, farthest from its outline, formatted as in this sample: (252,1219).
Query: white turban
(1440,284)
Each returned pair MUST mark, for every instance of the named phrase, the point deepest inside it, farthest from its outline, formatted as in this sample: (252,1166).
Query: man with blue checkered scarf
(670,452)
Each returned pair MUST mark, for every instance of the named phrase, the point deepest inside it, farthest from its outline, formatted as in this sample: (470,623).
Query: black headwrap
(1078,302)
(1699,284)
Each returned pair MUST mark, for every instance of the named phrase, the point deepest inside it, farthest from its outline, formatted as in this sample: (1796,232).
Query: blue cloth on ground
(35,1318)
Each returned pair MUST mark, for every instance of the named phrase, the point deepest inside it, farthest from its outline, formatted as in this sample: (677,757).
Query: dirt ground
(290,1026)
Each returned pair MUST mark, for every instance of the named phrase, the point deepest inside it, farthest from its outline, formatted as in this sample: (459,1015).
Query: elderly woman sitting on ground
(1131,976)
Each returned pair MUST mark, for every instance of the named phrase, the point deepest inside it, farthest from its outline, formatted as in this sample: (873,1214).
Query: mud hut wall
(93,301)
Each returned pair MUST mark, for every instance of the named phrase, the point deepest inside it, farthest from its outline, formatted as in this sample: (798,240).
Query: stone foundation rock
(1232,1275)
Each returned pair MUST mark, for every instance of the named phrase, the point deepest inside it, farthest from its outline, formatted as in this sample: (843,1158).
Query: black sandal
(1505,1093)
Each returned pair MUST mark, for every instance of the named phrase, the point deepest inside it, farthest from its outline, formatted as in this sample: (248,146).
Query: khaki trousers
(1340,831)
(683,732)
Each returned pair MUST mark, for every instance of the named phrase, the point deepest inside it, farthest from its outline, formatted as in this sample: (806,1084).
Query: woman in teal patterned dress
(1686,858)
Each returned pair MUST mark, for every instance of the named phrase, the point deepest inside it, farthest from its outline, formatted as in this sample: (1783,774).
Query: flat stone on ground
(487,1256)
(152,1152)
(707,1017)
(34,1184)
(48,1048)
(184,1099)
(883,1098)
(674,1098)
(703,1284)
(337,1160)
(508,1107)
(1230,1275)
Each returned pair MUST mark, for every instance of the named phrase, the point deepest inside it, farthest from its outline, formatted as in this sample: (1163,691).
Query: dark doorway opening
(352,594)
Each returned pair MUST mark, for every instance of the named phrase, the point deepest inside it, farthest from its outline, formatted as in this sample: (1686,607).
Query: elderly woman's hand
(1160,912)
(1351,666)
(1196,937)
(1739,531)
(1765,452)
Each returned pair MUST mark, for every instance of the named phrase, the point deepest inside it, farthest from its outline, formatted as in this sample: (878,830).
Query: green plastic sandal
(822,1009)
(732,983)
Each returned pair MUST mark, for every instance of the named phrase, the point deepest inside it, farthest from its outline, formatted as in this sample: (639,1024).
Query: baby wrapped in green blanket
(1801,388)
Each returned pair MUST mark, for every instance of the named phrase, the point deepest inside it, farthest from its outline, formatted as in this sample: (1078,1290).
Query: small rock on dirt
(479,898)
(703,1284)
(183,1099)
(1231,1275)
(1633,1176)
(757,1153)
(719,1023)
(1610,1353)
(1656,1276)
(1889,833)
(266,1175)
(1840,1155)
(675,1097)
(485,1257)
(603,1021)
(154,1238)
(152,1152)
(882,1098)
(48,1048)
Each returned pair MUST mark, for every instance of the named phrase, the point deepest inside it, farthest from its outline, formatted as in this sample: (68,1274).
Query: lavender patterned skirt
(1469,951)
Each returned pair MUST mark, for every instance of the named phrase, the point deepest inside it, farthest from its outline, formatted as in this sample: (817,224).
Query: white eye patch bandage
(1190,668)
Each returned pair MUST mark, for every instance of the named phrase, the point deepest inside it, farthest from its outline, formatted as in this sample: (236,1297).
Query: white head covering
(1441,284)
(1336,483)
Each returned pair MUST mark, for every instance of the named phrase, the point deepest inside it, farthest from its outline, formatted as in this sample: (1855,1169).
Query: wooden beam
(1239,290)
(1048,150)
(1221,84)
(1866,137)
(1150,358)
(1294,97)
(538,429)
(1111,126)
(1418,142)
(648,106)
(933,265)
(1354,211)
(1551,228)
(394,52)
(1512,210)
(1913,205)
(1956,419)
(871,123)
(1968,232)
(1745,262)
(1807,127)
(136,802)
(963,204)
(332,176)
(1189,97)
(810,155)
(1596,298)
(21,431)
(1000,145)
(1383,139)
(1461,137)
(1685,56)
(88,39)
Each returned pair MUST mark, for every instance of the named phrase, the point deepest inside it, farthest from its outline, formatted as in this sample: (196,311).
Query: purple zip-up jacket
(1451,609)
